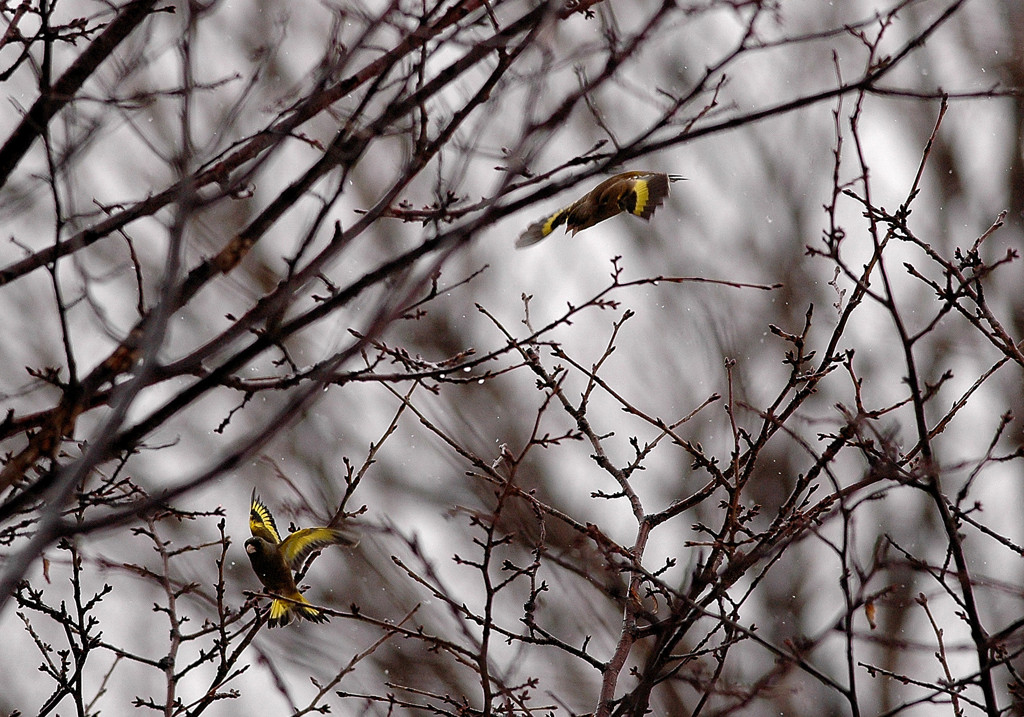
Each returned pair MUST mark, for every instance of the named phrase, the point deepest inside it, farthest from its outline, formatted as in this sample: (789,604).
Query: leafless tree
(759,455)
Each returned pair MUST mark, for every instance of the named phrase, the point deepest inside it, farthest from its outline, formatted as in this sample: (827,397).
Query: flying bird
(274,559)
(638,193)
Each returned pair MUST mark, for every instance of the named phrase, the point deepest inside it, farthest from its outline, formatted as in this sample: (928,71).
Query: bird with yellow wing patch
(273,561)
(638,193)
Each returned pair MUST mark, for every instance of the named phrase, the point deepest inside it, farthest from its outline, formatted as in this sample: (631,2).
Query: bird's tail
(282,611)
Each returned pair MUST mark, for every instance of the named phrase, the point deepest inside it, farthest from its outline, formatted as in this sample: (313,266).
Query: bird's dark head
(262,555)
(258,547)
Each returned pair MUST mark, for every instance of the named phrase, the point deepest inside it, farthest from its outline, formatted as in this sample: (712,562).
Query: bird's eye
(250,548)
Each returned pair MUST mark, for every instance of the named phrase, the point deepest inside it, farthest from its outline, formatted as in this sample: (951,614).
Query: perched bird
(638,193)
(273,560)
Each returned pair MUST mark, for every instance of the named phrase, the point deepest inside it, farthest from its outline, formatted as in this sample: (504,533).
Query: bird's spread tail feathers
(282,611)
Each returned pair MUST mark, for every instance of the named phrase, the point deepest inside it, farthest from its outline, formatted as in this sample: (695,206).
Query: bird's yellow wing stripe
(642,193)
(297,546)
(261,522)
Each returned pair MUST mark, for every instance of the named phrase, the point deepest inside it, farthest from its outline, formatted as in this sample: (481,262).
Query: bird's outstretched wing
(642,194)
(261,522)
(297,546)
